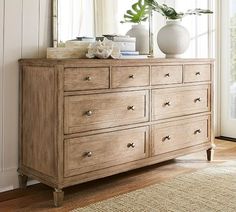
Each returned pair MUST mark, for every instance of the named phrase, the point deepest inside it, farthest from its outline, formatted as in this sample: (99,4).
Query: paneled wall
(25,31)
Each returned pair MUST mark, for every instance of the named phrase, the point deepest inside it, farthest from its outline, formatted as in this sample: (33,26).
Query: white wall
(25,31)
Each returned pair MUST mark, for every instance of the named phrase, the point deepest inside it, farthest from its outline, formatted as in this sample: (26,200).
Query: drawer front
(177,135)
(197,73)
(90,153)
(173,102)
(86,78)
(90,112)
(130,76)
(162,75)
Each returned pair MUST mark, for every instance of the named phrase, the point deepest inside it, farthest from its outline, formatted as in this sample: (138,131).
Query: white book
(124,39)
(134,57)
(126,46)
(129,53)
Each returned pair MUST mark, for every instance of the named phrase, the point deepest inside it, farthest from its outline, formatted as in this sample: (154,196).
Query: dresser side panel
(39,117)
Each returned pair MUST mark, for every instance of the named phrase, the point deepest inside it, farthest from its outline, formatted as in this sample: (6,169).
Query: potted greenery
(173,39)
(138,14)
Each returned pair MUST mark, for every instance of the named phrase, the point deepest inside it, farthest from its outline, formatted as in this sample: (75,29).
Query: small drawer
(177,135)
(97,111)
(174,102)
(86,78)
(197,73)
(90,153)
(162,75)
(130,76)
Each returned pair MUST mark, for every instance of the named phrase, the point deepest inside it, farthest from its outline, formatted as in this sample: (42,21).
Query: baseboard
(226,138)
(9,180)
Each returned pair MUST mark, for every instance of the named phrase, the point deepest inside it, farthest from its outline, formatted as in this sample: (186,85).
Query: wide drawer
(173,102)
(89,112)
(162,75)
(130,76)
(90,153)
(180,134)
(197,73)
(86,78)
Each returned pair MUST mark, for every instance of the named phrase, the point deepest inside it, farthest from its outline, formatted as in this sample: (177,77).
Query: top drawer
(162,75)
(197,73)
(86,78)
(130,76)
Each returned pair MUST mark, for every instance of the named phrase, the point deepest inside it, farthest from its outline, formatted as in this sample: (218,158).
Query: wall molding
(9,180)
(25,31)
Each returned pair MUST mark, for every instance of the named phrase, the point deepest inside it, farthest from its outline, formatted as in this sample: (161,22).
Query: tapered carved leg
(210,153)
(58,196)
(22,181)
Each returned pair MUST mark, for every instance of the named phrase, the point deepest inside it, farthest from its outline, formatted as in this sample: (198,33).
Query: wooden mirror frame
(55,27)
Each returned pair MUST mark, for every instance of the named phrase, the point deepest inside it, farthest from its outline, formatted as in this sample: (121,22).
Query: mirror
(90,18)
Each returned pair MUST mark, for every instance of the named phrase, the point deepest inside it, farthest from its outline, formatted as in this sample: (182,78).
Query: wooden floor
(39,197)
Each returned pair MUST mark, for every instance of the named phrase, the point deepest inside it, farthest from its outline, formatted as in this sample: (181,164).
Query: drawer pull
(131,108)
(198,73)
(166,138)
(197,100)
(131,76)
(167,75)
(197,132)
(88,78)
(131,145)
(167,104)
(89,113)
(88,154)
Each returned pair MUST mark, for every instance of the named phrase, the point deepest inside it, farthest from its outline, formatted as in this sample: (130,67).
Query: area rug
(207,190)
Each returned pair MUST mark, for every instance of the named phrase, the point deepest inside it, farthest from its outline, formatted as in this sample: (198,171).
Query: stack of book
(127,46)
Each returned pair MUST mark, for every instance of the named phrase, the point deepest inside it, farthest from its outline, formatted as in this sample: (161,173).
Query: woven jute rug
(207,190)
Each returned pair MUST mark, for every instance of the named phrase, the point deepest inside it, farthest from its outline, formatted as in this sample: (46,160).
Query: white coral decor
(103,49)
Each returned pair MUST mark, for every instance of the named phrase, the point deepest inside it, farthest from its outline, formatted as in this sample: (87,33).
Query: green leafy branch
(139,13)
(170,13)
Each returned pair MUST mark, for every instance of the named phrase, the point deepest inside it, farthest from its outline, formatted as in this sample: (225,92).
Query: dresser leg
(210,153)
(22,181)
(58,196)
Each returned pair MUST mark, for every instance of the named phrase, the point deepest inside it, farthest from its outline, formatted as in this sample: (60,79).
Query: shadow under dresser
(86,119)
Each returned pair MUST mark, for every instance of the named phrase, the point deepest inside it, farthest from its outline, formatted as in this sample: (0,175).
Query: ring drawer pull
(197,131)
(167,138)
(167,75)
(198,73)
(131,145)
(88,154)
(89,113)
(197,100)
(131,108)
(88,78)
(167,104)
(131,76)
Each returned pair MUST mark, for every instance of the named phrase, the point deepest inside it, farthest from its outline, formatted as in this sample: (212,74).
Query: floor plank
(39,197)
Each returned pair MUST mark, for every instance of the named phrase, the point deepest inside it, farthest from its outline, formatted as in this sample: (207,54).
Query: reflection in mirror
(75,19)
(91,18)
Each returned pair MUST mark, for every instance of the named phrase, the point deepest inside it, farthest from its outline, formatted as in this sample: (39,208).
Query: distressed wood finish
(94,152)
(130,76)
(39,119)
(175,102)
(171,136)
(197,73)
(90,112)
(86,78)
(162,75)
(89,119)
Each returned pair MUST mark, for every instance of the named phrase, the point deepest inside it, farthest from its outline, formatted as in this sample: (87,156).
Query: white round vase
(141,34)
(173,39)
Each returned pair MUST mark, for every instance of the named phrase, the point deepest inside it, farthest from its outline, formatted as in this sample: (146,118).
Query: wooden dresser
(82,120)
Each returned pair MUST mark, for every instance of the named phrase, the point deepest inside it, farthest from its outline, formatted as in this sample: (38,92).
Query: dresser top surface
(112,62)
